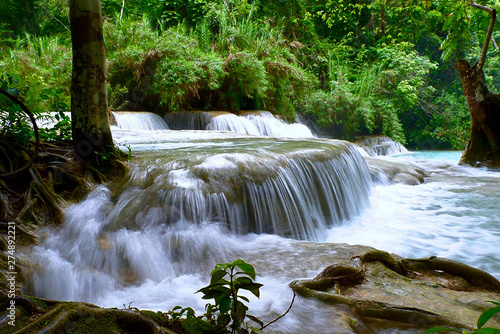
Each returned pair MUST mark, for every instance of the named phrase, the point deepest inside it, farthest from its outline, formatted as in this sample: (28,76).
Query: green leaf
(486,315)
(244,298)
(210,293)
(493,302)
(248,269)
(249,286)
(441,330)
(220,266)
(225,304)
(223,320)
(217,275)
(487,330)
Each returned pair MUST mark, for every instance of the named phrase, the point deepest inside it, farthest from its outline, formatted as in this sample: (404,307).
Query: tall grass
(41,63)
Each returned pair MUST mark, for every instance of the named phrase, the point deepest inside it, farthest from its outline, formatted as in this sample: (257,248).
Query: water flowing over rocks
(381,300)
(195,198)
(379,145)
(256,123)
(387,172)
(138,121)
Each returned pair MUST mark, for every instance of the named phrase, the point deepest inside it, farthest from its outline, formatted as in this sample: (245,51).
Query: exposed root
(63,317)
(375,309)
(341,276)
(52,201)
(386,259)
(475,277)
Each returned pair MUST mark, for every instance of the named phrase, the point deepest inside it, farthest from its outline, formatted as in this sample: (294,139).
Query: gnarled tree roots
(36,315)
(358,284)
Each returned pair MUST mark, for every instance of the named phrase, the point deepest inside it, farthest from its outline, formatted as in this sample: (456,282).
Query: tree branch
(493,16)
(35,129)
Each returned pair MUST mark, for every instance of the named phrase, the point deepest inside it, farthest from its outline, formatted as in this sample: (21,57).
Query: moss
(38,301)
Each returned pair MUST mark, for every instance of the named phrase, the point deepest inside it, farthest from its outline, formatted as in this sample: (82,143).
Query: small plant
(226,281)
(481,321)
(178,312)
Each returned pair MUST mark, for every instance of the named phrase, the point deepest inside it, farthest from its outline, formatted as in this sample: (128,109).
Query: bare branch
(493,16)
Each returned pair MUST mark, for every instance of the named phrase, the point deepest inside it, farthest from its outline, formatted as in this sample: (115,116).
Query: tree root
(475,277)
(386,259)
(341,276)
(52,201)
(374,309)
(5,208)
(71,317)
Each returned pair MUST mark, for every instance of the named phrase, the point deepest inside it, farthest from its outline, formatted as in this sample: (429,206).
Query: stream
(276,199)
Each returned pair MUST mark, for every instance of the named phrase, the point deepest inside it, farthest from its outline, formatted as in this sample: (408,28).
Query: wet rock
(391,172)
(423,293)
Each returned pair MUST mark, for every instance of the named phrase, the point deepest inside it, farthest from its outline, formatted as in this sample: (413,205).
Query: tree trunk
(483,148)
(89,100)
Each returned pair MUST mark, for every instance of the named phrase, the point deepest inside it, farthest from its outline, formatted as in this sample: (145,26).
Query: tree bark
(89,101)
(483,148)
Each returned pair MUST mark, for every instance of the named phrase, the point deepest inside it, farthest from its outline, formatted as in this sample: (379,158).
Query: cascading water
(257,123)
(380,145)
(261,123)
(195,198)
(139,121)
(148,226)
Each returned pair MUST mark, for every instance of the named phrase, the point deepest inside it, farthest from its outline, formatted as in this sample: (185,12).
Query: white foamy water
(154,240)
(261,123)
(454,214)
(139,121)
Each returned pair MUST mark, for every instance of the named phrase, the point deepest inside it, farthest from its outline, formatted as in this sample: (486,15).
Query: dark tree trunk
(89,102)
(483,148)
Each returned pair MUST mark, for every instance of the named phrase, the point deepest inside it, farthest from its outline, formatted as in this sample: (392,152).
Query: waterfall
(188,120)
(257,123)
(169,216)
(233,123)
(139,121)
(380,145)
(261,123)
(289,188)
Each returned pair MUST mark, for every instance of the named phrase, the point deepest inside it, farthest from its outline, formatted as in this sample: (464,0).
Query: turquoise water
(455,213)
(451,157)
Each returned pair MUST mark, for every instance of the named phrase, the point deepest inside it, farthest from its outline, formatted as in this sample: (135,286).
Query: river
(197,198)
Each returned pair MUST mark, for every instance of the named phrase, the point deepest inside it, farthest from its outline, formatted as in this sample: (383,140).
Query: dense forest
(354,67)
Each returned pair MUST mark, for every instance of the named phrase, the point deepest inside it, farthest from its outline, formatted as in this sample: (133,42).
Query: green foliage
(481,321)
(246,66)
(58,117)
(356,66)
(41,63)
(369,96)
(227,314)
(228,308)
(15,124)
(184,321)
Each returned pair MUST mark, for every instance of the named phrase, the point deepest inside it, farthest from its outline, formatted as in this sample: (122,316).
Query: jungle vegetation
(353,67)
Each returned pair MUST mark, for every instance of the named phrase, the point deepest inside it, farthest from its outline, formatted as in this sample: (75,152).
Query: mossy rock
(420,293)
